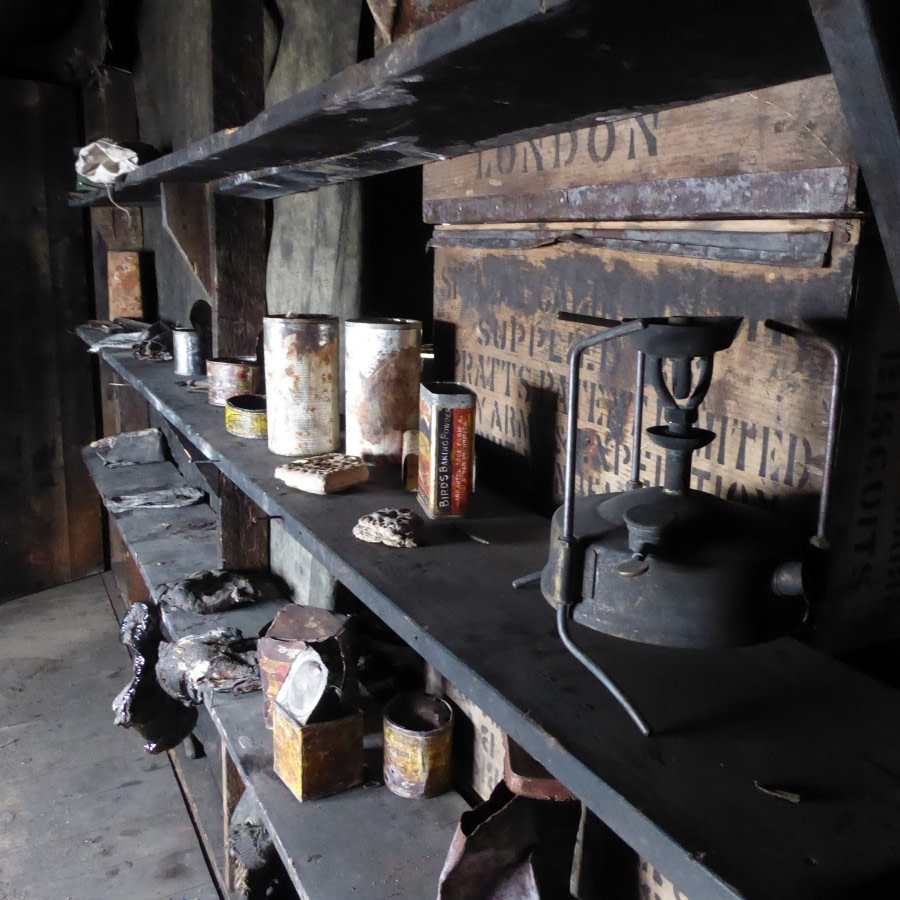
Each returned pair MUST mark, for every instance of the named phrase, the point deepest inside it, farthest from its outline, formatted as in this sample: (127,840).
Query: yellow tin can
(418,745)
(245,416)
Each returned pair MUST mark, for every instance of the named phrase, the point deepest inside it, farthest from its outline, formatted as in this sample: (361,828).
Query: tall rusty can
(446,448)
(228,376)
(418,745)
(382,366)
(302,365)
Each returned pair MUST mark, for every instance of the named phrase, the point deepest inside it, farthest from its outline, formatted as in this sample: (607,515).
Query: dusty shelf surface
(488,74)
(727,723)
(362,843)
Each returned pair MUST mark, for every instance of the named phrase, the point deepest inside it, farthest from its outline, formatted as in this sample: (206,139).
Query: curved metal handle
(575,354)
(563,611)
(802,336)
(566,539)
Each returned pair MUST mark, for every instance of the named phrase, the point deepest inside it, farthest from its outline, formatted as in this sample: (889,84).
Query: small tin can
(245,416)
(382,367)
(302,355)
(418,745)
(446,448)
(187,352)
(229,376)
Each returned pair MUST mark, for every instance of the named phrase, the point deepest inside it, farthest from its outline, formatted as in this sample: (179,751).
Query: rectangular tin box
(446,448)
(318,760)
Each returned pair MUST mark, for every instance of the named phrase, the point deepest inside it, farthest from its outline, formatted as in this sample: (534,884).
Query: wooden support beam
(232,791)
(237,230)
(859,37)
(239,275)
(238,64)
(122,407)
(186,217)
(244,529)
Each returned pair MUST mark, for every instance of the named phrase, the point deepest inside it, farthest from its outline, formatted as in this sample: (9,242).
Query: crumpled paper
(104,161)
(164,498)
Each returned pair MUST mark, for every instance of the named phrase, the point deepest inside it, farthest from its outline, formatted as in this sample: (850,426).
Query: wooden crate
(502,278)
(780,151)
(126,297)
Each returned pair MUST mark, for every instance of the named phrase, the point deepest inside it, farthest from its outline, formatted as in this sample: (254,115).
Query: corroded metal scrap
(218,661)
(142,704)
(208,592)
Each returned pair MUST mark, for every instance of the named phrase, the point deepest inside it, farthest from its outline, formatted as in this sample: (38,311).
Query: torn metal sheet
(220,661)
(131,448)
(208,592)
(511,848)
(141,628)
(311,692)
(296,630)
(164,498)
(142,704)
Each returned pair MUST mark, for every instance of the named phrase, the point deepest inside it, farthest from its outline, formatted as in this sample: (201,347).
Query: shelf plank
(779,715)
(364,842)
(168,544)
(489,74)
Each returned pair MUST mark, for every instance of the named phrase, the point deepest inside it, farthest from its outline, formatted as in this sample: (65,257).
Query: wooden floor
(85,813)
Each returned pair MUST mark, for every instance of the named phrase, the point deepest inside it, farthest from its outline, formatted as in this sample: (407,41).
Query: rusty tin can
(418,745)
(446,448)
(382,367)
(245,416)
(187,352)
(229,376)
(302,363)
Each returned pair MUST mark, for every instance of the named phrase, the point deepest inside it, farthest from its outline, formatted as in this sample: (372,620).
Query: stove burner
(671,565)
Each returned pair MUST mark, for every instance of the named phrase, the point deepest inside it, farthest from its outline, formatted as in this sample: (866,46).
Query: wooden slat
(76,384)
(859,37)
(49,531)
(244,529)
(123,409)
(238,275)
(779,151)
(186,218)
(232,790)
(238,73)
(573,60)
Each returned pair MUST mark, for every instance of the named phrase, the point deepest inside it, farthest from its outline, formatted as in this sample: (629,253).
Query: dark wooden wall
(49,513)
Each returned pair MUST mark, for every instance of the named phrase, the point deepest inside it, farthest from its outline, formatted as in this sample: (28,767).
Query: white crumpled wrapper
(104,161)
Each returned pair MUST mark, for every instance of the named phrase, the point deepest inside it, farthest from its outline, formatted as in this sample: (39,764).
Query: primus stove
(671,565)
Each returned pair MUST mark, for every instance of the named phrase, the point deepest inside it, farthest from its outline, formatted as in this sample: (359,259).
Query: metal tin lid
(392,324)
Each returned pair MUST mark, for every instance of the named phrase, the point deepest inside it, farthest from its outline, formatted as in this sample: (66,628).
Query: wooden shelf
(491,73)
(362,843)
(779,715)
